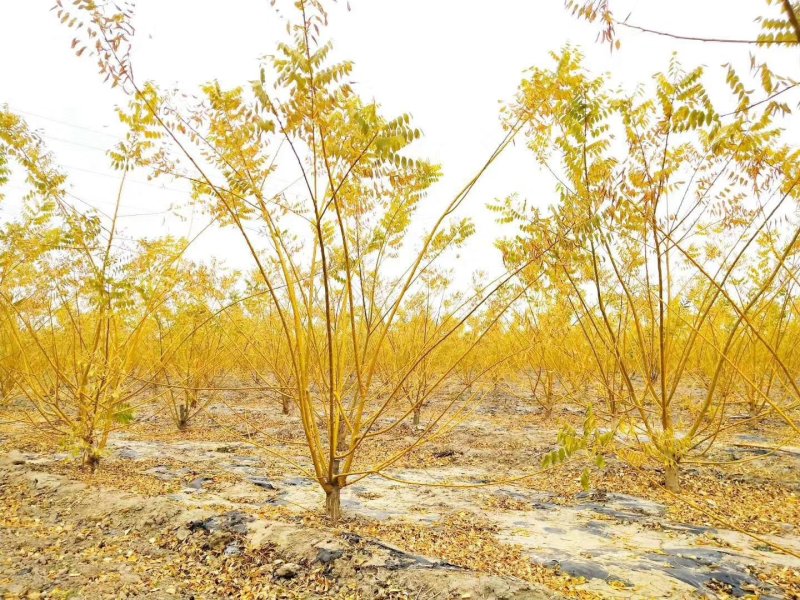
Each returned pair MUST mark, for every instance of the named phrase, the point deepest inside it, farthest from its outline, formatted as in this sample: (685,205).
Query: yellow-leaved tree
(333,251)
(670,217)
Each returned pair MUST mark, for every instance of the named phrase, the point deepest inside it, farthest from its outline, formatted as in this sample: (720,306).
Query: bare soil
(209,512)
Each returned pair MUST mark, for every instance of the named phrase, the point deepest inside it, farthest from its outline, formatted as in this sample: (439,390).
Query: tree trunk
(612,403)
(91,459)
(333,505)
(612,396)
(672,477)
(753,405)
(417,411)
(548,394)
(285,405)
(183,416)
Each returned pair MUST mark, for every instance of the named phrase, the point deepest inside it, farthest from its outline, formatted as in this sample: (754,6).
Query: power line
(53,138)
(65,123)
(83,169)
(104,150)
(96,205)
(130,180)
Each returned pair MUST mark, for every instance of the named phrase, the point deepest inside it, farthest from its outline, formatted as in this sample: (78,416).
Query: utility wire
(61,122)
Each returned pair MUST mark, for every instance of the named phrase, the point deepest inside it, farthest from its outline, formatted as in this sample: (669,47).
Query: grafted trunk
(754,404)
(548,394)
(333,504)
(183,416)
(611,394)
(189,398)
(612,403)
(91,458)
(672,477)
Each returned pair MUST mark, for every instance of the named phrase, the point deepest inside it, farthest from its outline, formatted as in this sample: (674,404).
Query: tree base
(333,504)
(672,478)
(91,460)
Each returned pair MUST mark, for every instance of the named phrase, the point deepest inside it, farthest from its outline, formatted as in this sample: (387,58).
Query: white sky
(447,62)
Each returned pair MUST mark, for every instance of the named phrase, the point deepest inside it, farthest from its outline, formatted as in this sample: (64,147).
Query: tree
(644,184)
(24,240)
(329,252)
(185,330)
(67,301)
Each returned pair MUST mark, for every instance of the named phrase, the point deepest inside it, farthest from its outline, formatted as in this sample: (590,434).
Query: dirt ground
(209,512)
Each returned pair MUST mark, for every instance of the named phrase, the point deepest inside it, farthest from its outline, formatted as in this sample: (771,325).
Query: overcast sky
(448,62)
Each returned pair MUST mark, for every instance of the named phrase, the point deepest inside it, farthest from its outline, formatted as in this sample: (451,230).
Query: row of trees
(659,287)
